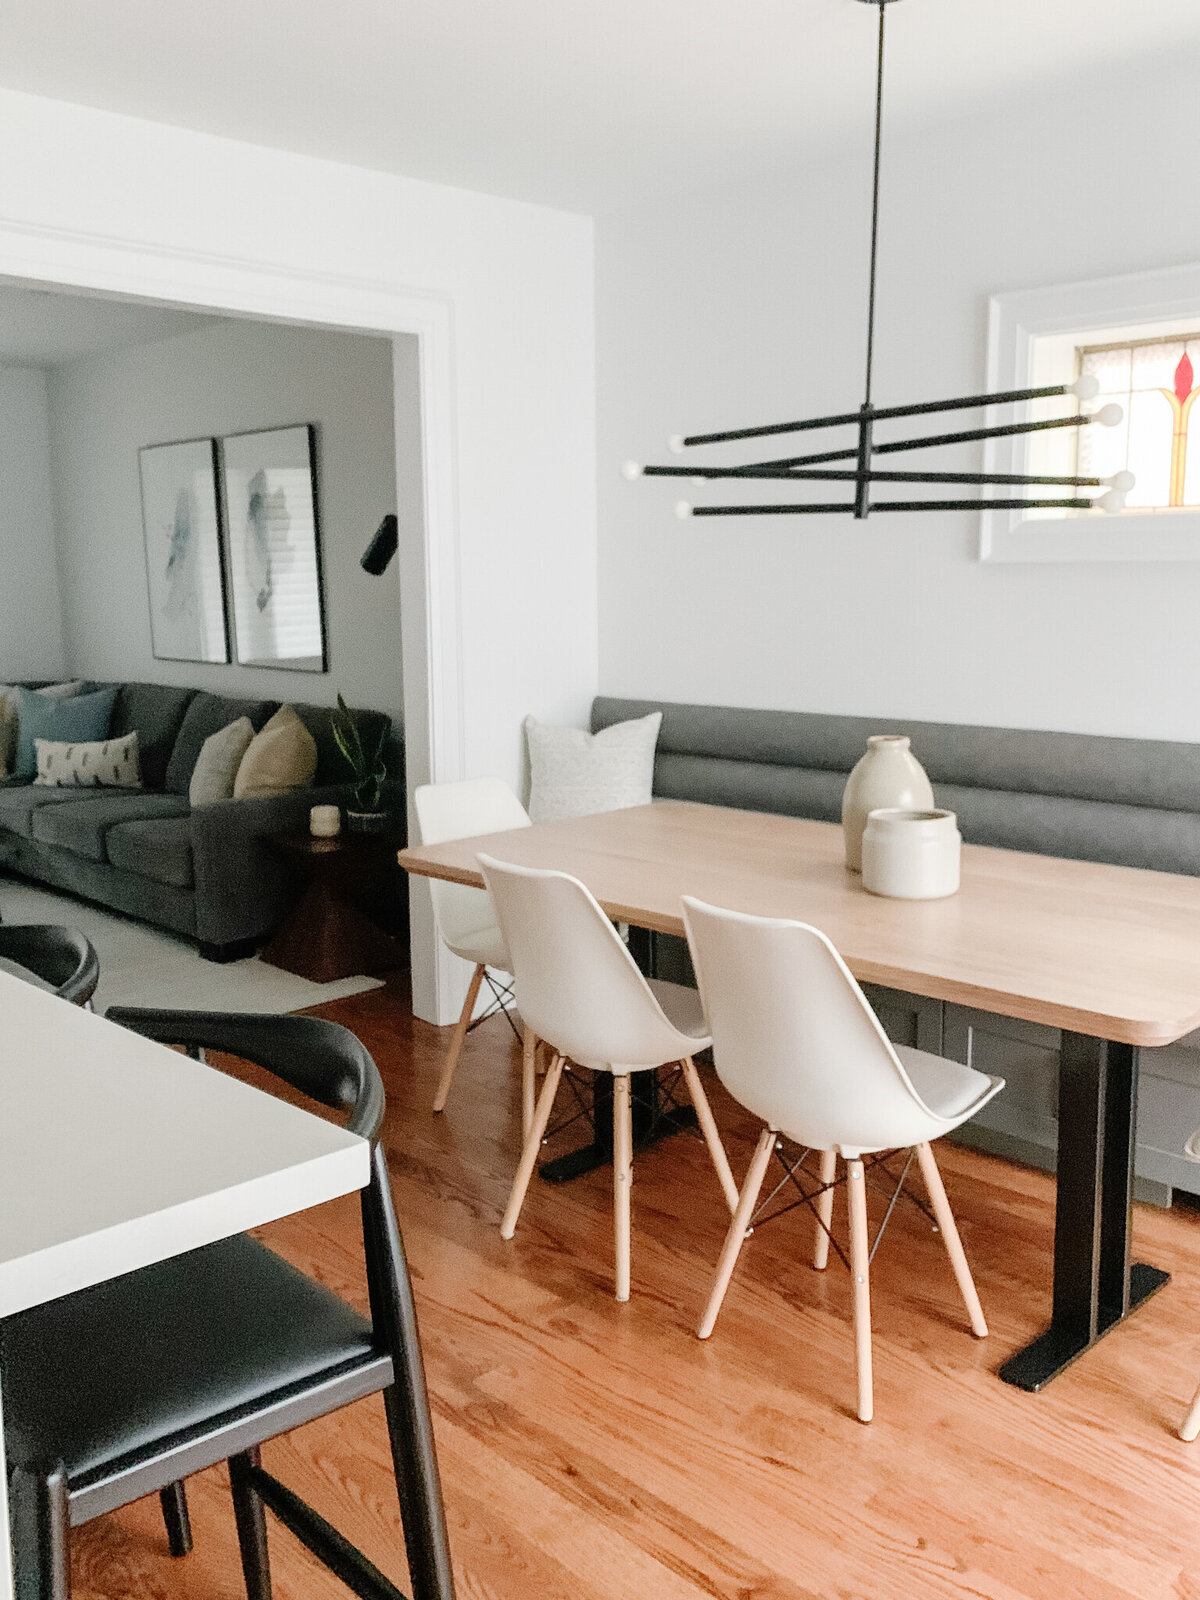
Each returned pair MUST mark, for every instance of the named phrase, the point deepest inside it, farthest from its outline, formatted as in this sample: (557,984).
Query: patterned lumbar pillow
(98,764)
(573,773)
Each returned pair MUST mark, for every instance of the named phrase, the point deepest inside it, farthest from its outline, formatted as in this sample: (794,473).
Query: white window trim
(1015,320)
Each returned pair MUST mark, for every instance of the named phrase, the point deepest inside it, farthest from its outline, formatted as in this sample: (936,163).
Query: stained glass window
(1156,383)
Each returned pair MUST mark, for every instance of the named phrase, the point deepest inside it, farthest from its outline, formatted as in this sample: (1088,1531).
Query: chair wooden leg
(251,1519)
(824,1208)
(529,1046)
(954,1249)
(173,1500)
(622,1177)
(529,1154)
(456,1043)
(860,1272)
(708,1128)
(736,1236)
(1191,1423)
(40,1523)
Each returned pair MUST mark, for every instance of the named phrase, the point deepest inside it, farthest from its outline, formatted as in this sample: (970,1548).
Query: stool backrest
(577,986)
(459,811)
(794,1037)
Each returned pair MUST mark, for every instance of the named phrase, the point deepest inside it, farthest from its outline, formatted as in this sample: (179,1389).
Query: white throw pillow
(218,762)
(574,773)
(95,764)
(62,691)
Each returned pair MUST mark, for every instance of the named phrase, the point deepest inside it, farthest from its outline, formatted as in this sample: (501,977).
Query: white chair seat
(952,1091)
(682,1009)
(485,946)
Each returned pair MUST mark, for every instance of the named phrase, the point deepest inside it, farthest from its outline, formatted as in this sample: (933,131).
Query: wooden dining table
(1109,955)
(117,1152)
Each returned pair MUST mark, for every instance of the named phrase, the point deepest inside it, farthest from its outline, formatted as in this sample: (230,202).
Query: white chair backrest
(794,1038)
(459,811)
(577,985)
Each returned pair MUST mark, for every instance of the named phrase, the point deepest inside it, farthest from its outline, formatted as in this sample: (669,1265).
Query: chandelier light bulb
(1086,388)
(1110,415)
(675,444)
(631,470)
(1122,481)
(683,509)
(1112,502)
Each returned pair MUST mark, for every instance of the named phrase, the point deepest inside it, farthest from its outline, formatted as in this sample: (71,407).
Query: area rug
(144,966)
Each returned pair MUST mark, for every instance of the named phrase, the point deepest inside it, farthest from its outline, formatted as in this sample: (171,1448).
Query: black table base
(653,1119)
(1095,1285)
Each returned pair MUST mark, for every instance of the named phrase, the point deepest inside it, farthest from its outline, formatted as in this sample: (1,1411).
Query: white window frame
(1169,296)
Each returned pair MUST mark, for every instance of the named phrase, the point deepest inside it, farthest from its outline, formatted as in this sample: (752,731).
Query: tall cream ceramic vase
(888,776)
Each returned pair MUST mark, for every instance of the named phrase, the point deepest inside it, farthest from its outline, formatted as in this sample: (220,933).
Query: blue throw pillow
(80,720)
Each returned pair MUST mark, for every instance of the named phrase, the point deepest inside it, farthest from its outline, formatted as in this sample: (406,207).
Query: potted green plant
(369,772)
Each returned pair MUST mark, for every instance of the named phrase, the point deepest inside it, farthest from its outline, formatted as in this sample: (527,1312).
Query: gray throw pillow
(574,773)
(218,762)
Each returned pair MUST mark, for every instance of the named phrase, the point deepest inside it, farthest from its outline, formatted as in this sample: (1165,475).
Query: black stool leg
(40,1522)
(251,1519)
(410,1426)
(175,1514)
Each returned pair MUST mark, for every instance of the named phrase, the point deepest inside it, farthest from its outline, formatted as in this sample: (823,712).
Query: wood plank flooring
(593,1451)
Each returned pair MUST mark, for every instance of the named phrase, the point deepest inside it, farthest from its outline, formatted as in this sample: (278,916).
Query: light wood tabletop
(1112,952)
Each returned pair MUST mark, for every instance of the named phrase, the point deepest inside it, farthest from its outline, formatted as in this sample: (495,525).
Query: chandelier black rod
(888,505)
(875,207)
(884,414)
(821,475)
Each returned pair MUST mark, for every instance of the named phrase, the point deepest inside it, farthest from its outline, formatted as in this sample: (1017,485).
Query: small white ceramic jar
(325,822)
(911,855)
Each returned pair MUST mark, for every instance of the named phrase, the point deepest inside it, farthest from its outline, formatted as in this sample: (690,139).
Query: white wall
(31,642)
(747,306)
(114,203)
(230,378)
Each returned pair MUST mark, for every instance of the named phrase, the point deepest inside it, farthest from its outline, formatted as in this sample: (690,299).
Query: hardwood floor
(601,1452)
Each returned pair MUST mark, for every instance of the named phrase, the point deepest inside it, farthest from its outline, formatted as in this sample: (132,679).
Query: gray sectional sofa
(1133,802)
(210,872)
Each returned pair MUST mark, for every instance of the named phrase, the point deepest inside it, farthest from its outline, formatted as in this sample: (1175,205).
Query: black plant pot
(367,821)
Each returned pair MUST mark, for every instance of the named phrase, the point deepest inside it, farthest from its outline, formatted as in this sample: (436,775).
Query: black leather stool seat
(132,1362)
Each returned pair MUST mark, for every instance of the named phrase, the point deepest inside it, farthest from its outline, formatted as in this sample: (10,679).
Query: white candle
(324,822)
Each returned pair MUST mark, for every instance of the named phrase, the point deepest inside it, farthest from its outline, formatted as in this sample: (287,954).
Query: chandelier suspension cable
(883,5)
(864,475)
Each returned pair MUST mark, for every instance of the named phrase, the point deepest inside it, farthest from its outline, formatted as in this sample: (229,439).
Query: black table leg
(1095,1286)
(653,1119)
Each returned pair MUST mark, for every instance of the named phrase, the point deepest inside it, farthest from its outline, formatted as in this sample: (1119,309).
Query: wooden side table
(326,936)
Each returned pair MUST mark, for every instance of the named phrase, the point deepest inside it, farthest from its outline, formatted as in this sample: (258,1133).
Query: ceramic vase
(911,855)
(889,776)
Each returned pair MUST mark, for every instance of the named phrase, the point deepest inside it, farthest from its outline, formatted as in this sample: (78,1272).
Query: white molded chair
(464,917)
(580,991)
(796,1042)
(1191,1423)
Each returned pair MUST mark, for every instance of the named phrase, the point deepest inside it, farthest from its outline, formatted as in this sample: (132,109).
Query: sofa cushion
(208,714)
(82,717)
(158,848)
(20,802)
(82,827)
(155,712)
(332,766)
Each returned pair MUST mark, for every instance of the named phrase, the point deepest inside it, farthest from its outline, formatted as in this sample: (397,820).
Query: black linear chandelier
(1109,493)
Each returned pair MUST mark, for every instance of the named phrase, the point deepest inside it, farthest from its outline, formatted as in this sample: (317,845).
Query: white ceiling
(42,328)
(587,104)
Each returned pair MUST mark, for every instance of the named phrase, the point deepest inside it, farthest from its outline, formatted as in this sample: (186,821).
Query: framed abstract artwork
(274,548)
(182,531)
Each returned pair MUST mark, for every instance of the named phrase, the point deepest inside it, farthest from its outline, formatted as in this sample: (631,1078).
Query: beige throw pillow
(217,765)
(95,764)
(62,691)
(282,757)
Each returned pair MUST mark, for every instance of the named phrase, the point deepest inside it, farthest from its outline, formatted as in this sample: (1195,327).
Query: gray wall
(31,643)
(746,305)
(234,377)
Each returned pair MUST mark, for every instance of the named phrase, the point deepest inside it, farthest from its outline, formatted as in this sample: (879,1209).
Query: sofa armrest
(243,883)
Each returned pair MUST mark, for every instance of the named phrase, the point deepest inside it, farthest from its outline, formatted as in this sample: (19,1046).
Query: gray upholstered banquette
(1133,802)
